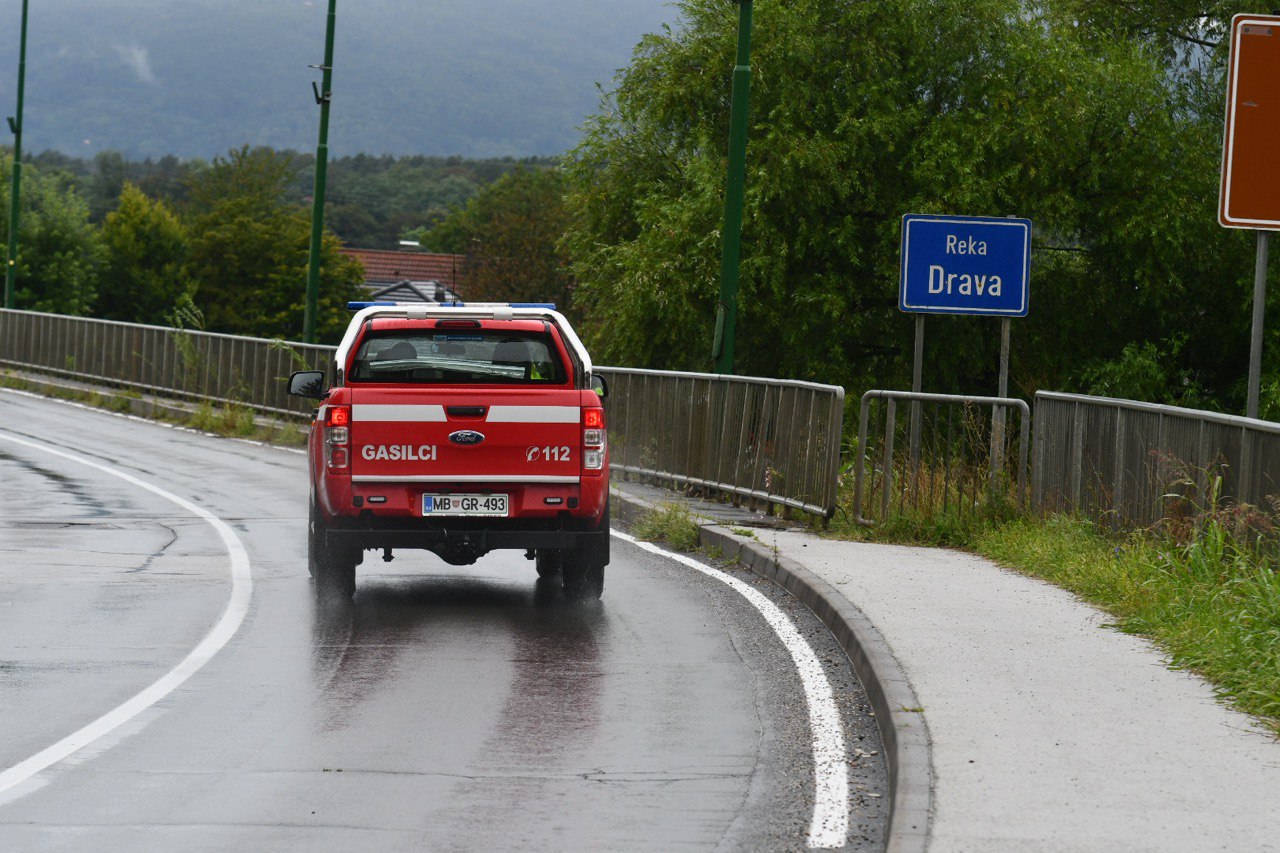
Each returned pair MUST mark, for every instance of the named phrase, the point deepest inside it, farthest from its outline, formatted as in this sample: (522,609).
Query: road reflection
(550,643)
(553,706)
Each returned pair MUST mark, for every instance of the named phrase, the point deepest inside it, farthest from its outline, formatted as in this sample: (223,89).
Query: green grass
(1205,587)
(1211,602)
(671,523)
(232,420)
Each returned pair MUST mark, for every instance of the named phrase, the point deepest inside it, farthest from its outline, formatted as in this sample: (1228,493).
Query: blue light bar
(356,306)
(548,305)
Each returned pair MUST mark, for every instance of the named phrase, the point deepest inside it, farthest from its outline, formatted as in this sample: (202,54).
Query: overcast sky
(472,77)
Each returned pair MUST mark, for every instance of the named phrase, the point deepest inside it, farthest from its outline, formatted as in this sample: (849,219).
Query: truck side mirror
(307,383)
(599,386)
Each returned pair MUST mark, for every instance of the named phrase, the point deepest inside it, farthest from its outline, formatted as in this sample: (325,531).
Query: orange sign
(1250,195)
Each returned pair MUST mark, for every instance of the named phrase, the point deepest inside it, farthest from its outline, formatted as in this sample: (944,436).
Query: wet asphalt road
(445,709)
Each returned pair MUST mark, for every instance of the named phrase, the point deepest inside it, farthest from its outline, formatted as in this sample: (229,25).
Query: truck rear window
(458,357)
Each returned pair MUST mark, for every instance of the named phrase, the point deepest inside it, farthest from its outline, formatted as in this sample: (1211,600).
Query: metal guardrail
(759,439)
(956,464)
(185,364)
(1121,460)
(770,441)
(763,440)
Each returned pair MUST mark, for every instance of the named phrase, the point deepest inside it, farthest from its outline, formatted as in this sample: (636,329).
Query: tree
(146,258)
(250,251)
(510,232)
(1177,27)
(58,249)
(862,112)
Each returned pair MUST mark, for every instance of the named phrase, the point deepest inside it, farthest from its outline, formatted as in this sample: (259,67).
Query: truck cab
(459,429)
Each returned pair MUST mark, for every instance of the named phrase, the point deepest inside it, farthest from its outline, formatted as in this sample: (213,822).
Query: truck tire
(332,567)
(584,565)
(336,573)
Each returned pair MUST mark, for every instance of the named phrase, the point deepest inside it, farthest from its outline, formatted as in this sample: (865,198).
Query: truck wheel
(336,572)
(584,565)
(549,562)
(333,567)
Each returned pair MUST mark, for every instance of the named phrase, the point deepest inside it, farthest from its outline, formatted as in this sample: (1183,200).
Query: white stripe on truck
(386,412)
(534,415)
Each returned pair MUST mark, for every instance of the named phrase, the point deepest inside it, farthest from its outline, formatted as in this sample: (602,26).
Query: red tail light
(593,440)
(337,437)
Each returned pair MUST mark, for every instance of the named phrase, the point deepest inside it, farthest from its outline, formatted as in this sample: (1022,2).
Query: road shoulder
(902,727)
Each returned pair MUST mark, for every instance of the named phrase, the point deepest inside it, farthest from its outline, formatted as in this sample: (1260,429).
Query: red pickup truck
(459,429)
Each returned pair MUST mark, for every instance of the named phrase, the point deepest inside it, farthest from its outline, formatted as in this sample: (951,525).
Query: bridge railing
(767,441)
(937,455)
(180,363)
(1124,461)
(760,440)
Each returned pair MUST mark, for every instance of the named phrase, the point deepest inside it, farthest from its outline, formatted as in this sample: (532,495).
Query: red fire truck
(459,429)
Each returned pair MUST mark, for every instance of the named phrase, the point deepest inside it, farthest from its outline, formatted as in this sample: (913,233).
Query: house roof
(414,291)
(389,267)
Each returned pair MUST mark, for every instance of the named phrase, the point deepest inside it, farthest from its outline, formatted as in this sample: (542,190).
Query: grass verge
(1205,589)
(1211,602)
(234,421)
(672,523)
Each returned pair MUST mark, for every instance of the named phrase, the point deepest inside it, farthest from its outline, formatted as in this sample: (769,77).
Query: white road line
(828,828)
(830,824)
(214,641)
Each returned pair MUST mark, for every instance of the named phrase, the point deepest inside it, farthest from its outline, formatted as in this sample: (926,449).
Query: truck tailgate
(465,436)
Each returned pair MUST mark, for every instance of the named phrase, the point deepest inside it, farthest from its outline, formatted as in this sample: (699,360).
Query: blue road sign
(965,265)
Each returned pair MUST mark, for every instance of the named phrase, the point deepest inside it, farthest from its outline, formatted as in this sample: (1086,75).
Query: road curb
(902,725)
(143,407)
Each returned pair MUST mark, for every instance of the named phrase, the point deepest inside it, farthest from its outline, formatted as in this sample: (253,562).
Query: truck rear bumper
(478,536)
(482,541)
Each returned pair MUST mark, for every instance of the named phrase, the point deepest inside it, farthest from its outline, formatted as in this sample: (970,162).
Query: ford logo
(466,437)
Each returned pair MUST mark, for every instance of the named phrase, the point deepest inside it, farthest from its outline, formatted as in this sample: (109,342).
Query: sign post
(323,95)
(15,188)
(1250,188)
(978,265)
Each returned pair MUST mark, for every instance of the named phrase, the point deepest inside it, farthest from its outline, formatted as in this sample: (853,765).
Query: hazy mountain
(195,77)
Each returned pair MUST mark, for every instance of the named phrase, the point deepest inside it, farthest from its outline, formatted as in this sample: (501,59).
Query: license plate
(475,505)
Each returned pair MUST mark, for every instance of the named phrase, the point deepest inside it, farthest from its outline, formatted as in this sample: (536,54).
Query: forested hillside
(223,244)
(372,202)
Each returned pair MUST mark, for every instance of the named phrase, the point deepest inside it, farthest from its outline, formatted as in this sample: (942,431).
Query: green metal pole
(15,189)
(727,312)
(323,96)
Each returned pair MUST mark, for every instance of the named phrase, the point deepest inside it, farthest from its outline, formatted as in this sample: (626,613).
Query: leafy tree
(862,112)
(58,249)
(250,251)
(1142,372)
(1177,27)
(510,231)
(109,178)
(145,269)
(376,201)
